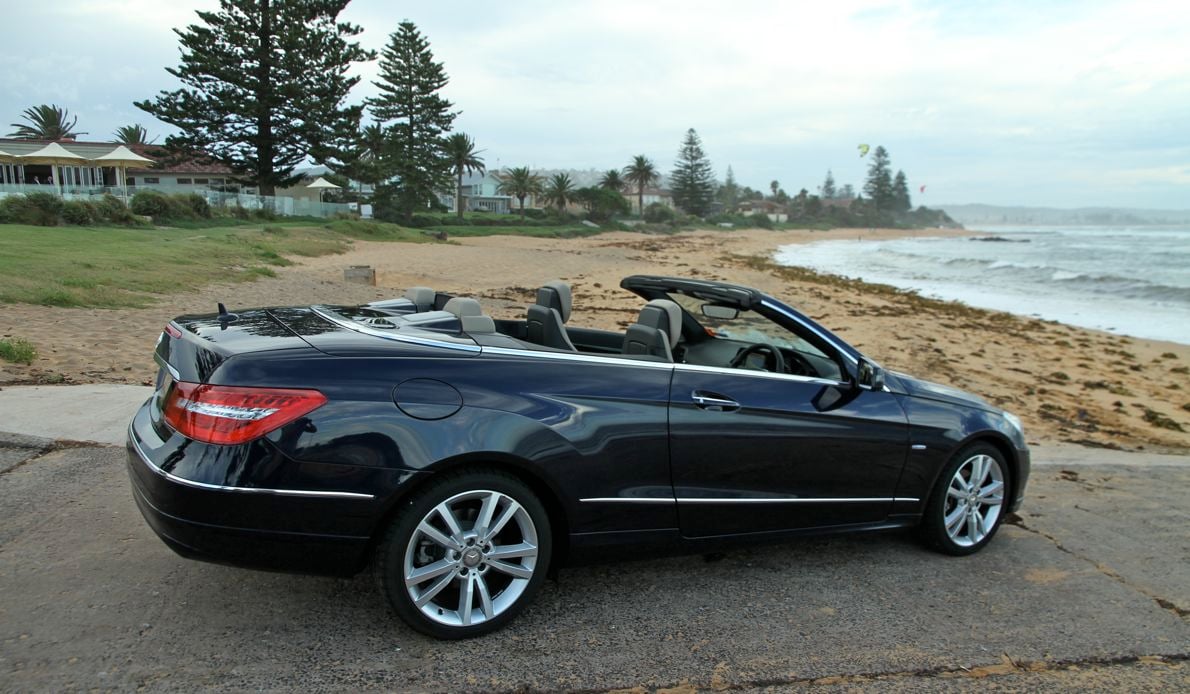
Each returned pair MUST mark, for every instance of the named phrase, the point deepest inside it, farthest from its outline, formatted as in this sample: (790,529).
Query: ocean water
(1130,281)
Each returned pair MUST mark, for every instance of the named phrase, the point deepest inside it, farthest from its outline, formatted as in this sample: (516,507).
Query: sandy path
(1067,383)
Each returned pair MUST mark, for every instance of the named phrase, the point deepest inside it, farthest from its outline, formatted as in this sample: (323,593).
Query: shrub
(761,220)
(151,203)
(17,351)
(197,204)
(8,208)
(162,207)
(113,209)
(80,212)
(39,209)
(656,213)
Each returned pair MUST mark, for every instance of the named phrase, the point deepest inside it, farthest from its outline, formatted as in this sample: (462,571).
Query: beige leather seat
(656,331)
(546,319)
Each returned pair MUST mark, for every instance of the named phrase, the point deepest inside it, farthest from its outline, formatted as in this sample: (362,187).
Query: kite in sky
(863,151)
(922,189)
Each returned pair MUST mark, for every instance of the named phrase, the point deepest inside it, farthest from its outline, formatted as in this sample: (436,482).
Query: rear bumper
(285,528)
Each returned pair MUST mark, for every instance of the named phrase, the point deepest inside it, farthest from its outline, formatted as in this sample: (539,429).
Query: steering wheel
(773,360)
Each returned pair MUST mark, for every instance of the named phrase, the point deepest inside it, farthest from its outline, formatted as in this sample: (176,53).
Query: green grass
(17,350)
(116,267)
(224,221)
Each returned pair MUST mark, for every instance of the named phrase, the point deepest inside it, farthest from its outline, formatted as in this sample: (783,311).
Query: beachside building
(652,195)
(88,174)
(479,195)
(776,212)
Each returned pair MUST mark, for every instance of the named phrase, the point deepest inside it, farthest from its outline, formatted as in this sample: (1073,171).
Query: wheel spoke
(976,529)
(466,598)
(523,549)
(436,535)
(452,523)
(486,510)
(956,493)
(509,512)
(985,469)
(955,519)
(433,590)
(993,489)
(485,597)
(976,472)
(423,573)
(514,570)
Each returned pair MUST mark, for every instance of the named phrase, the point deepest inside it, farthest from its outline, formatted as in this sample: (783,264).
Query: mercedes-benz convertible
(464,458)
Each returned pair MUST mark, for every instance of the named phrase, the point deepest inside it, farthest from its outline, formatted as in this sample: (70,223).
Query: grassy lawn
(118,267)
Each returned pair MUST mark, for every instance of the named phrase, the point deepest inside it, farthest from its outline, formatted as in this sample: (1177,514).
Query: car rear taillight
(230,415)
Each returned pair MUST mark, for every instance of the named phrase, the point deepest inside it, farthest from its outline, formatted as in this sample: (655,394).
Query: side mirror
(870,376)
(719,312)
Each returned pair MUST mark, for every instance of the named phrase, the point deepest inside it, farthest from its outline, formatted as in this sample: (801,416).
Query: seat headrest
(555,294)
(422,297)
(462,306)
(478,324)
(665,315)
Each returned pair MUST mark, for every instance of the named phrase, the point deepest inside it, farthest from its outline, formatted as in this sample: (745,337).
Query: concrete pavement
(1089,589)
(98,413)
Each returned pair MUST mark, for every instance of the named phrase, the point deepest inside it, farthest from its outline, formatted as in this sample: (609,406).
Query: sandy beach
(1066,383)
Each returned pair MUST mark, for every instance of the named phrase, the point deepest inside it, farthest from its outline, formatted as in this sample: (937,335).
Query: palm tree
(134,134)
(560,191)
(612,180)
(460,149)
(520,183)
(642,173)
(46,122)
(774,186)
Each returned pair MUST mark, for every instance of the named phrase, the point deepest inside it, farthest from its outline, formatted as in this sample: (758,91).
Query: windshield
(746,326)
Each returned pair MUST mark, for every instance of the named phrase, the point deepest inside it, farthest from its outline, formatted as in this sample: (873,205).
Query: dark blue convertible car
(465,457)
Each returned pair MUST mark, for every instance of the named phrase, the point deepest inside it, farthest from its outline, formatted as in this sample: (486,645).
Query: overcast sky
(1020,103)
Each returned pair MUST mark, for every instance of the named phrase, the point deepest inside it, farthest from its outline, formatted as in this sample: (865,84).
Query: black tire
(970,535)
(407,547)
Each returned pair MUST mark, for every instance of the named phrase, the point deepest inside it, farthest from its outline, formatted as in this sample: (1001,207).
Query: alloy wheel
(974,499)
(470,558)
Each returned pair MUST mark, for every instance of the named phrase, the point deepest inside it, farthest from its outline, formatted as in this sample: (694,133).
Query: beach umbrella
(121,159)
(322,185)
(55,155)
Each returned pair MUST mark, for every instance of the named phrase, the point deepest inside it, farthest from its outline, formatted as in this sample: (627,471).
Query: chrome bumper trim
(140,452)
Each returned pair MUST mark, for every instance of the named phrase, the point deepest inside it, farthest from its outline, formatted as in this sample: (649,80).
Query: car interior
(672,327)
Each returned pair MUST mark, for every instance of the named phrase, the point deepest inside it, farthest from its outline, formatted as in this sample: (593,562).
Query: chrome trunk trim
(140,452)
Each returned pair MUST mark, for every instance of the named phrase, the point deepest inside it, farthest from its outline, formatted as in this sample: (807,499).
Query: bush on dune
(37,209)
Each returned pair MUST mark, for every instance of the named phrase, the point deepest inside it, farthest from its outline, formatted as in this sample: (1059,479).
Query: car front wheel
(465,554)
(967,504)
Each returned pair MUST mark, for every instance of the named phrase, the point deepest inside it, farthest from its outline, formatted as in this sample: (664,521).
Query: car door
(752,451)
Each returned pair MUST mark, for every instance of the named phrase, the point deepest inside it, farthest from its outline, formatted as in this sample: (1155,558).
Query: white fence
(287,207)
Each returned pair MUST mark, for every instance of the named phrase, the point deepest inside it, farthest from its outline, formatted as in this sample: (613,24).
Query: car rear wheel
(967,504)
(465,554)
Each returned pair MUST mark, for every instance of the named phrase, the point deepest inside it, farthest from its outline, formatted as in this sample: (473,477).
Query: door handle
(713,402)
